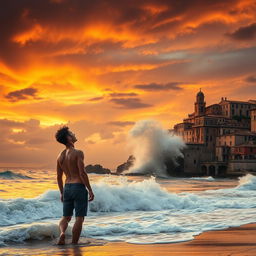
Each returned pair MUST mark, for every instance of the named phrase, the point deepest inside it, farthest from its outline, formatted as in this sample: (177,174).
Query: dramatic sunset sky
(100,66)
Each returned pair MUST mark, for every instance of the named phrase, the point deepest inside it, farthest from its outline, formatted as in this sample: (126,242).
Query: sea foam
(121,195)
(137,212)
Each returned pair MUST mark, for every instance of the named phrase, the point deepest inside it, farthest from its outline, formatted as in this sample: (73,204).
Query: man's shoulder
(61,153)
(79,152)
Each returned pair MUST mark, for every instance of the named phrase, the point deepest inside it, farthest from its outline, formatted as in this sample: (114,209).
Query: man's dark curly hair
(61,134)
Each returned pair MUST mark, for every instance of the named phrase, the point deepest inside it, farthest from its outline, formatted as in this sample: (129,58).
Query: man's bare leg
(77,228)
(63,226)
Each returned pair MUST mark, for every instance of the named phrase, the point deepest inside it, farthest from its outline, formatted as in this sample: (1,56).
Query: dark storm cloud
(61,17)
(208,65)
(111,59)
(96,98)
(251,79)
(123,94)
(159,87)
(130,103)
(22,94)
(114,95)
(244,33)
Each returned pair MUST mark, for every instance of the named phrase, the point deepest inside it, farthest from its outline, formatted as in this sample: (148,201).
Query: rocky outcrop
(125,166)
(175,169)
(97,168)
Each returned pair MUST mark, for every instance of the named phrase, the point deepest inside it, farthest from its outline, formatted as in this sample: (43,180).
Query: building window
(194,161)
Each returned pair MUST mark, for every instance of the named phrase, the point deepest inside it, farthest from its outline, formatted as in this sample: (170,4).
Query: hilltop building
(220,138)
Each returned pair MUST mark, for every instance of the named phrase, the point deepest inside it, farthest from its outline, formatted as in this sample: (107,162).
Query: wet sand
(232,241)
(235,241)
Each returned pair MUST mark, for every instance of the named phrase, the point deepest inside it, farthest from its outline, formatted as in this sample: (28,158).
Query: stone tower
(253,120)
(200,104)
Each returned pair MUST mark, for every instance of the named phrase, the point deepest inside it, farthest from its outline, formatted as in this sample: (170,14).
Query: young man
(74,194)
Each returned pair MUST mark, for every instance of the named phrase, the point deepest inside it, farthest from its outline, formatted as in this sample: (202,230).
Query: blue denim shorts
(75,196)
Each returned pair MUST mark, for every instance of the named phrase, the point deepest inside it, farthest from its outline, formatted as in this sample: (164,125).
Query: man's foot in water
(74,242)
(61,240)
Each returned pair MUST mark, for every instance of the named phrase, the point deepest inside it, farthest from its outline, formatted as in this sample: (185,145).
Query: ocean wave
(21,233)
(155,214)
(140,228)
(247,182)
(8,175)
(41,230)
(21,210)
(146,195)
(121,195)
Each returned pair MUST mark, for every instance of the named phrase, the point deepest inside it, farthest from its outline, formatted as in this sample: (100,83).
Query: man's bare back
(68,163)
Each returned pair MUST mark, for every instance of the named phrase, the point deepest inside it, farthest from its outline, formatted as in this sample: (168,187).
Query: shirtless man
(74,194)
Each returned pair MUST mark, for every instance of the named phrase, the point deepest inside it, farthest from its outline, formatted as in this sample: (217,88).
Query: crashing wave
(8,175)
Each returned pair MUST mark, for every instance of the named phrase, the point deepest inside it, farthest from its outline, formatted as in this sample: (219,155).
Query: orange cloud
(101,66)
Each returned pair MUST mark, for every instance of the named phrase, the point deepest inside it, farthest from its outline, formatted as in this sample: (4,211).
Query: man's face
(71,137)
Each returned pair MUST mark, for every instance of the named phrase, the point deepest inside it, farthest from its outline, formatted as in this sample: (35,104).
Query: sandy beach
(231,241)
(228,242)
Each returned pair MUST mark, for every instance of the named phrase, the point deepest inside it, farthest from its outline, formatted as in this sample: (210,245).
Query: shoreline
(232,241)
(237,241)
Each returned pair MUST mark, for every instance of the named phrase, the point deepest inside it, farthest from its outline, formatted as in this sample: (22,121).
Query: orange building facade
(212,134)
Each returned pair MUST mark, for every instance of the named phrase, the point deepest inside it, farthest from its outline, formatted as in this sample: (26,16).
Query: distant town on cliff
(220,138)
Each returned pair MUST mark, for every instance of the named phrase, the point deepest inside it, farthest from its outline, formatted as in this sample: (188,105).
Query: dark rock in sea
(125,166)
(175,168)
(97,168)
(137,174)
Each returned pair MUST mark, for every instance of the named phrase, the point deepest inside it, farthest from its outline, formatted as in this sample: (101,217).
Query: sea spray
(152,146)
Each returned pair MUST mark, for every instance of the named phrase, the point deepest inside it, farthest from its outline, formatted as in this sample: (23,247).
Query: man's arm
(59,177)
(82,172)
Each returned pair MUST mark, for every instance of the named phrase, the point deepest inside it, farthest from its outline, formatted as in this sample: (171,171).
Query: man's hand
(91,195)
(61,197)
